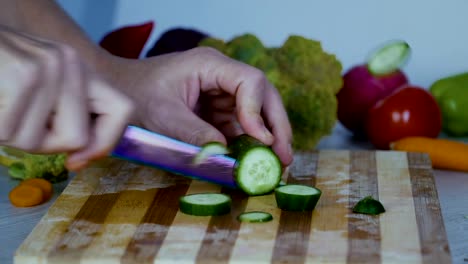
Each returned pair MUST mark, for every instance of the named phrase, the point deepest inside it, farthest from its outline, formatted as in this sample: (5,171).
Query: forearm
(46,19)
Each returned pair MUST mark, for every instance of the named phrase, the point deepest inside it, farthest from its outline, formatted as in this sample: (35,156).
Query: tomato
(409,111)
(360,91)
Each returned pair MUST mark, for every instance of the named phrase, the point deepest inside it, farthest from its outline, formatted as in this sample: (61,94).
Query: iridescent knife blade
(144,147)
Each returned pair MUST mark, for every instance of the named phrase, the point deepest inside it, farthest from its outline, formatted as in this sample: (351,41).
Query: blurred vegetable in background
(408,111)
(306,76)
(176,39)
(128,41)
(365,84)
(22,165)
(451,93)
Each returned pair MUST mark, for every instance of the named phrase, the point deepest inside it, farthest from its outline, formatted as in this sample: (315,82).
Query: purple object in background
(144,147)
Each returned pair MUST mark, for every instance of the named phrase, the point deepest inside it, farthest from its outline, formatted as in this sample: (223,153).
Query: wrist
(118,73)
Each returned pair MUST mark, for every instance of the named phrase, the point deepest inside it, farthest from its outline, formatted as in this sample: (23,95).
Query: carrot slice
(43,184)
(26,195)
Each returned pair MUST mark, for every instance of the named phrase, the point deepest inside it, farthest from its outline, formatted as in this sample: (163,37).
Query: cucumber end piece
(296,197)
(255,217)
(258,171)
(369,205)
(389,58)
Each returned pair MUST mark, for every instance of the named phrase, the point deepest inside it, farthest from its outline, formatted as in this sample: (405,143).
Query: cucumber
(209,149)
(258,169)
(389,58)
(205,204)
(243,143)
(296,197)
(255,217)
(369,205)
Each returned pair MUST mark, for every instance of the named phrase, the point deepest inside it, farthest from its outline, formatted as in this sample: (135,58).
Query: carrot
(26,195)
(43,184)
(444,153)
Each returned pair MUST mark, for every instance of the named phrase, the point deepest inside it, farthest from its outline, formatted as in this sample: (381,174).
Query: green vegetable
(451,94)
(205,204)
(22,165)
(389,58)
(295,197)
(258,170)
(307,78)
(369,205)
(255,217)
(242,143)
(210,149)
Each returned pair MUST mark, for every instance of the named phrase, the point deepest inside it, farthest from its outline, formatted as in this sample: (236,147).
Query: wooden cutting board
(116,212)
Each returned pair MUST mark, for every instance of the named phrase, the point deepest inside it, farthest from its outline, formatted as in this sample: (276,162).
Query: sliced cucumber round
(205,204)
(209,149)
(296,197)
(369,205)
(389,58)
(255,217)
(258,170)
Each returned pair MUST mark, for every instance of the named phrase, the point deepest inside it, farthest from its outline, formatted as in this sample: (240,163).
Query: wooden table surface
(452,187)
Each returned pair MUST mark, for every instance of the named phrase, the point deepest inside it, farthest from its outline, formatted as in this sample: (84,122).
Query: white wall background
(437,30)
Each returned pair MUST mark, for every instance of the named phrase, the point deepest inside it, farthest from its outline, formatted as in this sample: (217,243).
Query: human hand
(48,96)
(201,95)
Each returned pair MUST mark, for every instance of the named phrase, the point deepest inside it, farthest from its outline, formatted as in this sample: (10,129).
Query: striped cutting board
(116,212)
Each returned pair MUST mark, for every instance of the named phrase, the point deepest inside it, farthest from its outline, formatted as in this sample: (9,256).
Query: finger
(19,76)
(113,112)
(217,118)
(227,123)
(248,85)
(278,121)
(225,102)
(33,125)
(178,121)
(249,102)
(69,129)
(231,129)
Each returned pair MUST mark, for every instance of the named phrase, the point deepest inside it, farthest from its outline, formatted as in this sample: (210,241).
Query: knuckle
(70,54)
(206,51)
(127,106)
(257,77)
(51,58)
(28,73)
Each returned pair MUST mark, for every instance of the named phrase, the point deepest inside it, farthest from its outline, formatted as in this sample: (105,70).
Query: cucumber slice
(258,171)
(296,197)
(369,205)
(205,204)
(255,217)
(389,58)
(210,149)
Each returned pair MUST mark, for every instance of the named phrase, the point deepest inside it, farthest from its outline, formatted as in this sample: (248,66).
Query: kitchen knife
(147,148)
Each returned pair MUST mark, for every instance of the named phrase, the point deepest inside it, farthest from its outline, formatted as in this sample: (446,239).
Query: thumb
(186,126)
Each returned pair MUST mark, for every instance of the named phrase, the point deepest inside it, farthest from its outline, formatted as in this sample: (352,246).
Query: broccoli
(307,78)
(23,165)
